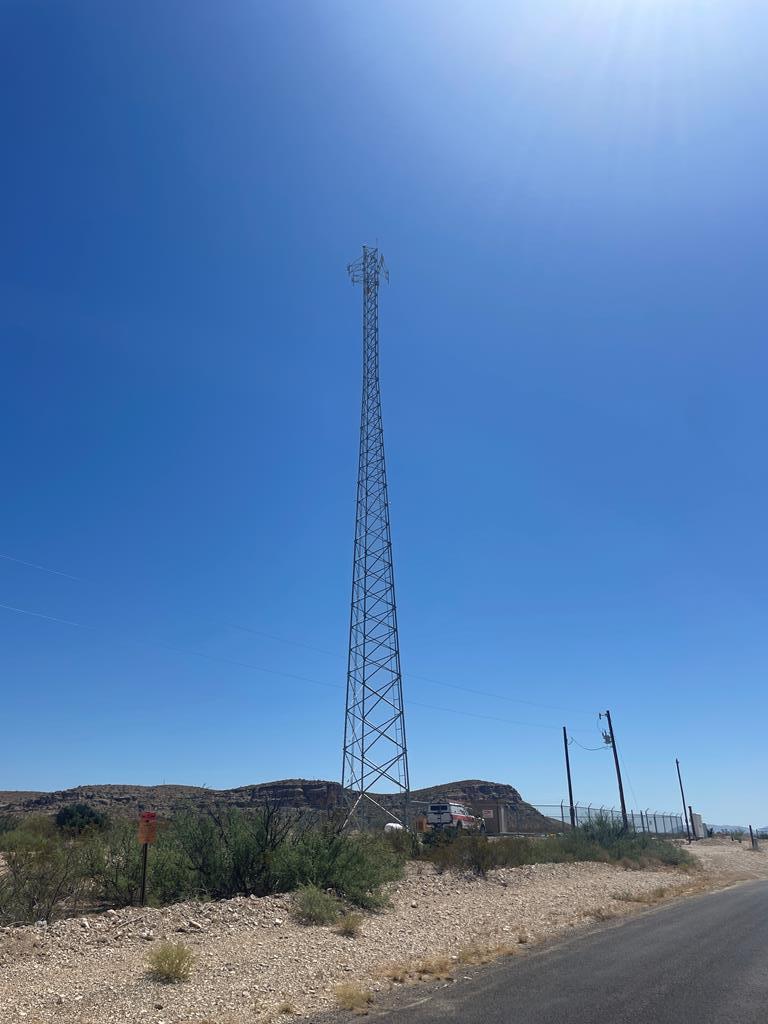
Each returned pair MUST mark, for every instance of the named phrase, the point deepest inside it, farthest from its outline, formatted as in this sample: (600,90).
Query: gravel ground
(251,957)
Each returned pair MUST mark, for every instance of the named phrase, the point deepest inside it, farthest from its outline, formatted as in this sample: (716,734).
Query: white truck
(450,815)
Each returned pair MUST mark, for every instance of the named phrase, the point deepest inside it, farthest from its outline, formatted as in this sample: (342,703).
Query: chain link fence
(658,823)
(501,817)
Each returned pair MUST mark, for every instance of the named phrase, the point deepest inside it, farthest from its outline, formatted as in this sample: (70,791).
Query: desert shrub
(170,876)
(600,841)
(170,962)
(38,826)
(437,837)
(477,854)
(349,925)
(113,861)
(465,853)
(480,854)
(404,842)
(354,867)
(314,906)
(602,829)
(44,876)
(8,823)
(74,819)
(443,849)
(210,856)
(235,852)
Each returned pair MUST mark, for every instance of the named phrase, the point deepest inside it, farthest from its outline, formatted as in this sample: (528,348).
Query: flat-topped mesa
(303,794)
(127,801)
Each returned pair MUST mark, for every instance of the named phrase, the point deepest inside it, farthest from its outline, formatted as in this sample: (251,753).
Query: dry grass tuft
(170,962)
(439,967)
(398,973)
(434,968)
(602,914)
(350,925)
(286,1007)
(479,954)
(647,898)
(353,997)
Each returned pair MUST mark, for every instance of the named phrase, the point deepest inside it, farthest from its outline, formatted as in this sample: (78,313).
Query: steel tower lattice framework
(375,749)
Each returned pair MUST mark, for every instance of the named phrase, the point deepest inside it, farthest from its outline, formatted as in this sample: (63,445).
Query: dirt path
(252,959)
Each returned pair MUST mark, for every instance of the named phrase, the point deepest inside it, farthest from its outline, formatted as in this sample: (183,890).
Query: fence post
(655,824)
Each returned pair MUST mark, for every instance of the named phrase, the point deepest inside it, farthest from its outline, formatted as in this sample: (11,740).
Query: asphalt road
(703,960)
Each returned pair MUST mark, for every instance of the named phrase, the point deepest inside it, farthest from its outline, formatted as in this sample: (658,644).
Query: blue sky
(571,198)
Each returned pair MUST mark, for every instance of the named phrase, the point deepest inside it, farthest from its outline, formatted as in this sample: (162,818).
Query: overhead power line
(42,568)
(416,675)
(488,694)
(236,663)
(604,746)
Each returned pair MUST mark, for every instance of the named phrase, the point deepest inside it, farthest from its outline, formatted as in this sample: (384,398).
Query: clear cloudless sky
(572,200)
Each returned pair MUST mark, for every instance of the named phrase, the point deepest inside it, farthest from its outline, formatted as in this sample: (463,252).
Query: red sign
(147,827)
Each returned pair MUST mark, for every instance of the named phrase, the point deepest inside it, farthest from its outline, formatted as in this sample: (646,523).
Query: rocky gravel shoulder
(254,963)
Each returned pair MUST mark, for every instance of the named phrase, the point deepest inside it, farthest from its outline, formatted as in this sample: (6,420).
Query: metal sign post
(147,834)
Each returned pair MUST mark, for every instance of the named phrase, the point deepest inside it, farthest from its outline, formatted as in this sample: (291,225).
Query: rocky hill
(317,795)
(128,801)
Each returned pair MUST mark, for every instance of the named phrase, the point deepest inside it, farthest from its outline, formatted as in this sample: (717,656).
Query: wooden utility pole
(682,794)
(624,817)
(570,785)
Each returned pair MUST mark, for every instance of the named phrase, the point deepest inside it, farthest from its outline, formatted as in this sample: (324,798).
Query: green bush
(601,842)
(208,856)
(603,830)
(314,906)
(354,867)
(8,823)
(74,819)
(404,842)
(44,876)
(235,852)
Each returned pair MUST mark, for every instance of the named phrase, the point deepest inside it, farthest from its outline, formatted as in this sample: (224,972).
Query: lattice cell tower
(375,750)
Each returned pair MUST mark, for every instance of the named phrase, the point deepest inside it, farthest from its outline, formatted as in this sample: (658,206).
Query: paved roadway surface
(703,960)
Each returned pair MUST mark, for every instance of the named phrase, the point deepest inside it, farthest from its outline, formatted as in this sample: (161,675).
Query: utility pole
(610,738)
(375,749)
(682,794)
(570,785)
